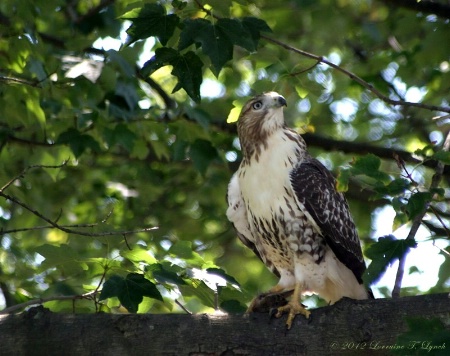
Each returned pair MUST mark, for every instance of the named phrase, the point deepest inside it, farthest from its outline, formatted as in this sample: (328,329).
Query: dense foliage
(117,139)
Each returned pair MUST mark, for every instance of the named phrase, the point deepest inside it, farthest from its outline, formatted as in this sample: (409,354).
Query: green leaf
(395,187)
(78,142)
(179,5)
(163,275)
(233,306)
(231,300)
(214,42)
(63,257)
(151,20)
(220,272)
(183,250)
(254,26)
(120,135)
(130,290)
(343,179)
(424,336)
(202,153)
(163,56)
(138,254)
(112,287)
(417,203)
(200,290)
(369,165)
(195,31)
(37,68)
(442,156)
(187,68)
(217,40)
(236,33)
(383,253)
(444,274)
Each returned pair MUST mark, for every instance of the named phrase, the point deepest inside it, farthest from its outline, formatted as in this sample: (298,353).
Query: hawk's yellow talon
(293,308)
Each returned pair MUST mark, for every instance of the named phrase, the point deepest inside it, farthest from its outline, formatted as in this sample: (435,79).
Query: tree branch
(349,327)
(11,231)
(330,144)
(425,6)
(417,221)
(355,78)
(168,101)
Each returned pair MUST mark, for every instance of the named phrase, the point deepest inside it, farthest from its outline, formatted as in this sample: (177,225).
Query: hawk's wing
(237,214)
(315,188)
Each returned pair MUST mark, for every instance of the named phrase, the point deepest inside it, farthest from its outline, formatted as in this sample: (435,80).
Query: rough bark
(367,327)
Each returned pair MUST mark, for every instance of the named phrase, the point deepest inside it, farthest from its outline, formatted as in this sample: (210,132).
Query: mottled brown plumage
(284,206)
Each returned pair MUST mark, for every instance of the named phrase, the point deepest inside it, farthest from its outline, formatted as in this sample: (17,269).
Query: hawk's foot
(293,308)
(265,302)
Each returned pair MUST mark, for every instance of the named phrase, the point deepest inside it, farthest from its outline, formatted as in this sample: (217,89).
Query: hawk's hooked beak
(280,101)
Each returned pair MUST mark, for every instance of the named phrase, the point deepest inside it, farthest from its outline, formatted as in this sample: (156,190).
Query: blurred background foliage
(134,96)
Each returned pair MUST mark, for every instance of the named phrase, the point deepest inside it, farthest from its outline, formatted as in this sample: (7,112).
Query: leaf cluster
(215,37)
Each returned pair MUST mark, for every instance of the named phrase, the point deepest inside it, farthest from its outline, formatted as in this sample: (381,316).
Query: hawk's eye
(257,105)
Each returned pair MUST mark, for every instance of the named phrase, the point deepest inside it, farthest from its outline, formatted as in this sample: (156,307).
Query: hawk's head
(260,116)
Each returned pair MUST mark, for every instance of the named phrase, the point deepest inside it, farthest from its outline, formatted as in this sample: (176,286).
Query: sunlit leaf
(220,272)
(200,290)
(163,275)
(187,68)
(138,254)
(183,249)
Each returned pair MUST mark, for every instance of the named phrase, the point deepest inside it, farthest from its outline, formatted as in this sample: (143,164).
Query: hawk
(284,206)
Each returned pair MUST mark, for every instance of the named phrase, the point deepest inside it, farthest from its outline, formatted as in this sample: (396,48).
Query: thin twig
(438,216)
(349,74)
(32,83)
(53,224)
(435,180)
(304,70)
(126,241)
(16,307)
(441,249)
(182,307)
(108,216)
(69,230)
(355,78)
(11,231)
(21,175)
